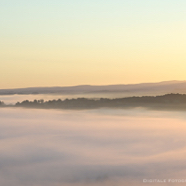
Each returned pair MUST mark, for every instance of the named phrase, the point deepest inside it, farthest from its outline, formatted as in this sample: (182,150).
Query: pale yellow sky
(100,42)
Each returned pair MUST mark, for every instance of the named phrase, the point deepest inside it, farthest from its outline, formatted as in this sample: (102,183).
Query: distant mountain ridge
(164,87)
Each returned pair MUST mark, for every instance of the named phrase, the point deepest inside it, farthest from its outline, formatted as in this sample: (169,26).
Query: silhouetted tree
(1,103)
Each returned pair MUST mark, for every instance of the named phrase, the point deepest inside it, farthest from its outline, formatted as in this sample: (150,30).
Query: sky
(96,42)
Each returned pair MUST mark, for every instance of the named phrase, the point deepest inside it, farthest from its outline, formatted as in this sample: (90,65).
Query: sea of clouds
(102,147)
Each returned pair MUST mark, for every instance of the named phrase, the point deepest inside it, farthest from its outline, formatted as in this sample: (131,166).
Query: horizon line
(81,85)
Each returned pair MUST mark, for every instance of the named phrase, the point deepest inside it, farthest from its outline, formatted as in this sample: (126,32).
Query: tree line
(168,101)
(175,100)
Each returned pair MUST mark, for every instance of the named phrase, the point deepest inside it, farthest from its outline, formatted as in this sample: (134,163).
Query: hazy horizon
(79,85)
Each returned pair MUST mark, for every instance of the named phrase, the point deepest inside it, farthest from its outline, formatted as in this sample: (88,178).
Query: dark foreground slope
(168,101)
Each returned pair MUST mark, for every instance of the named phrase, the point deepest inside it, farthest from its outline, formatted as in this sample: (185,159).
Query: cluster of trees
(144,101)
(1,103)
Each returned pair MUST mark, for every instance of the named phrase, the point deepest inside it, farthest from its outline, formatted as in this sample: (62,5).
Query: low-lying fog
(12,99)
(103,147)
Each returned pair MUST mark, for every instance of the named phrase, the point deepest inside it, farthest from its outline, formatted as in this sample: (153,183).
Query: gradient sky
(61,43)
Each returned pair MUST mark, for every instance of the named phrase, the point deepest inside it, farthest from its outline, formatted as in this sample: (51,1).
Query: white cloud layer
(104,147)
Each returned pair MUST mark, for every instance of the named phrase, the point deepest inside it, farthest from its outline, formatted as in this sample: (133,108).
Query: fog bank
(103,147)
